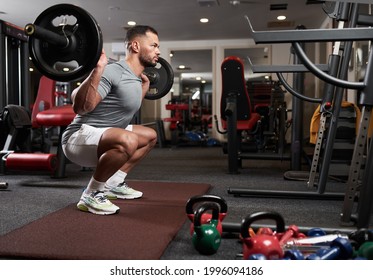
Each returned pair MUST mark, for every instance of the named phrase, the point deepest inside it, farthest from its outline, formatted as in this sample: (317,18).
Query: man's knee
(152,135)
(129,143)
(147,135)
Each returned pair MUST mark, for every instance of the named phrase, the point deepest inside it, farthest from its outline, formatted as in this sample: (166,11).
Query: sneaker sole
(84,208)
(113,196)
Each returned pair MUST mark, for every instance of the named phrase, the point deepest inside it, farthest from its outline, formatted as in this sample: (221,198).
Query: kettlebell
(192,202)
(206,237)
(265,244)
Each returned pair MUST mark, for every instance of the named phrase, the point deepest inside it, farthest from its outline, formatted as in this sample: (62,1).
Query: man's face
(149,50)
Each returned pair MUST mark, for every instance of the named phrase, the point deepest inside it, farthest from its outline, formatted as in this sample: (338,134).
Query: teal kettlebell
(206,237)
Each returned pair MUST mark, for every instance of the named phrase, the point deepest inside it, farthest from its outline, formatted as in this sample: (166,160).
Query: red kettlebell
(206,217)
(267,245)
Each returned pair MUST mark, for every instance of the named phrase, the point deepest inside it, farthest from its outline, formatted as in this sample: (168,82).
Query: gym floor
(30,196)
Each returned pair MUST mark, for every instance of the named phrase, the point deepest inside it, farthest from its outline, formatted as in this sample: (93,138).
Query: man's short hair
(136,31)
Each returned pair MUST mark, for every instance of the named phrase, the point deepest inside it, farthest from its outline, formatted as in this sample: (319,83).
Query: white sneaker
(121,191)
(97,203)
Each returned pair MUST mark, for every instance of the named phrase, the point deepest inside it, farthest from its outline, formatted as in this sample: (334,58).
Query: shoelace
(99,195)
(123,184)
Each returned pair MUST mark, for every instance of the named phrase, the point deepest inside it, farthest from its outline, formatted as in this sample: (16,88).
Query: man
(101,135)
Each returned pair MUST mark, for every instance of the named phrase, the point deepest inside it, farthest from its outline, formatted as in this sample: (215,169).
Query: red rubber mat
(141,231)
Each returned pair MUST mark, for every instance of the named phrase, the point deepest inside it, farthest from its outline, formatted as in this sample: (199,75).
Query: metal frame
(365,201)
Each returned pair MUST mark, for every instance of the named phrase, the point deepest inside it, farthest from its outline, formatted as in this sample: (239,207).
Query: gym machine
(334,67)
(250,127)
(14,74)
(362,217)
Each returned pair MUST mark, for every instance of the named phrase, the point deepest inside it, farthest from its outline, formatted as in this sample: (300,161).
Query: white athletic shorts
(81,148)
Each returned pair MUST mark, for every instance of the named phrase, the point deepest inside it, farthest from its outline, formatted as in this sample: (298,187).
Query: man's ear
(136,46)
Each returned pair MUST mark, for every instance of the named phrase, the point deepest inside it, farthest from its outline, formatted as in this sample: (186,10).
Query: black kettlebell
(206,237)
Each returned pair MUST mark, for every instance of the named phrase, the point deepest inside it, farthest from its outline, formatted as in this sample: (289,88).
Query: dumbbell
(291,233)
(293,254)
(316,232)
(257,257)
(340,248)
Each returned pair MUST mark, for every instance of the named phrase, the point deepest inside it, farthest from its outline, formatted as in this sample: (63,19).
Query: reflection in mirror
(193,88)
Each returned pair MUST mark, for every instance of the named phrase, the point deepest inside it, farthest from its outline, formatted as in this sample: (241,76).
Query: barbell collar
(46,35)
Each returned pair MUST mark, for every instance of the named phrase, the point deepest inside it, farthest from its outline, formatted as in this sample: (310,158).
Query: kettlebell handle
(202,209)
(205,198)
(250,219)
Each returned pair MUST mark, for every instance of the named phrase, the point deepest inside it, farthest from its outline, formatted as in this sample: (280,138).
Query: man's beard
(147,62)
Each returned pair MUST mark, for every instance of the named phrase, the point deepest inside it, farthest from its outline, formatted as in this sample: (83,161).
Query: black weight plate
(164,81)
(83,51)
(153,75)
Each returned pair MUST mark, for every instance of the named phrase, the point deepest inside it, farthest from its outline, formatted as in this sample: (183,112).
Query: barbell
(65,44)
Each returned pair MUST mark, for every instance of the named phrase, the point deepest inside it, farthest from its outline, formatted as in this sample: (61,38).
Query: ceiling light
(131,23)
(198,78)
(183,67)
(204,20)
(281,17)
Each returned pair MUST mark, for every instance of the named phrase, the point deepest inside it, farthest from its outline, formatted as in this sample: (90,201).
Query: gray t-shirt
(121,94)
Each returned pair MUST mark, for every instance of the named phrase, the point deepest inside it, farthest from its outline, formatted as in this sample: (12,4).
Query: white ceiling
(177,20)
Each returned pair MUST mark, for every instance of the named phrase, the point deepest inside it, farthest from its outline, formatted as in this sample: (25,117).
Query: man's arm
(85,97)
